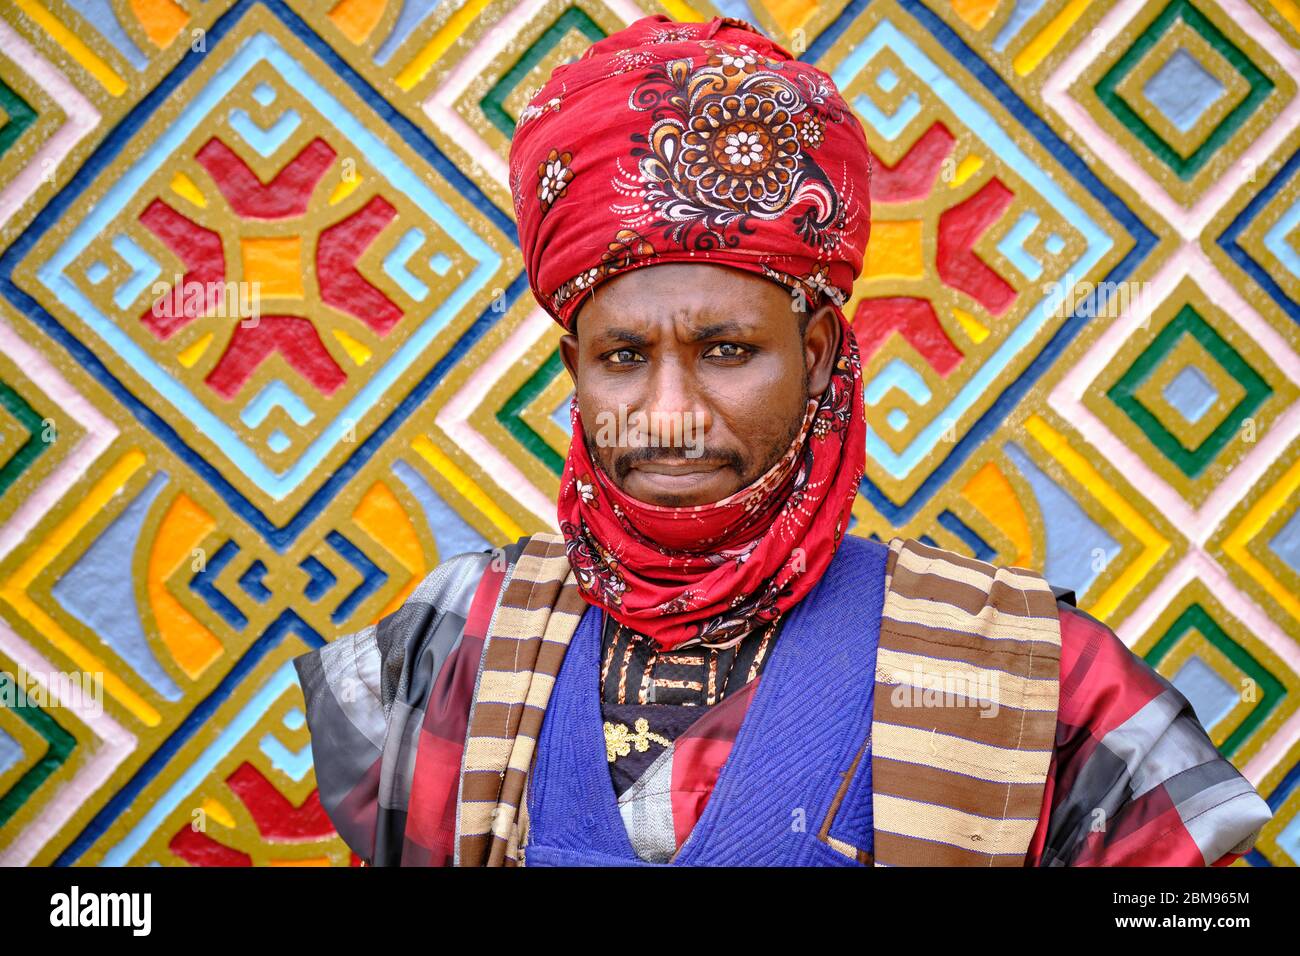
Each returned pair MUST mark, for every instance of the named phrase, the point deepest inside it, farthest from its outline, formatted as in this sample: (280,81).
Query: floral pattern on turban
(681,142)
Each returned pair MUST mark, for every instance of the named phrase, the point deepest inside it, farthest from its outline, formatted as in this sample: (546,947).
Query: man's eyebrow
(700,333)
(619,334)
(713,330)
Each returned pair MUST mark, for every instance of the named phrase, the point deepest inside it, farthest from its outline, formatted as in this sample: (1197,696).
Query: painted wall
(1079,319)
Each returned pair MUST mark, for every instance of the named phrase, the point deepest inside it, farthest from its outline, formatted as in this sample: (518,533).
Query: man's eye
(727,350)
(623,356)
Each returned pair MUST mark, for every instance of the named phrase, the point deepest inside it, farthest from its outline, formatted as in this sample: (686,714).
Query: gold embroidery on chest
(619,741)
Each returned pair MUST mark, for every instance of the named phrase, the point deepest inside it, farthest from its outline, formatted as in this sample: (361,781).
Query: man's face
(711,372)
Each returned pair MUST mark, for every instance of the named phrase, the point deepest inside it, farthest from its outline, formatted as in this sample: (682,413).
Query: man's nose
(674,394)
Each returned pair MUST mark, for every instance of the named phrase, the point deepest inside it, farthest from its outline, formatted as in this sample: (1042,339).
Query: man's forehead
(686,278)
(689,324)
(669,311)
(684,295)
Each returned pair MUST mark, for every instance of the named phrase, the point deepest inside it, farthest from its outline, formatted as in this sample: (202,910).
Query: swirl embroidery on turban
(732,139)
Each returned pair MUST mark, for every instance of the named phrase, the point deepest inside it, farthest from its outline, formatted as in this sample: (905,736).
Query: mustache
(626,461)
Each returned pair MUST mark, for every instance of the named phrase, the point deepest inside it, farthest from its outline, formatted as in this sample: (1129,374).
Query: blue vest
(774,803)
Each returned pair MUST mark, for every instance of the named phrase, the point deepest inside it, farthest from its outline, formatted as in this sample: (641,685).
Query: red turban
(676,142)
(689,142)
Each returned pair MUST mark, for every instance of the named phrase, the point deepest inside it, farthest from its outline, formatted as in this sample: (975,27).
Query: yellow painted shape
(345,188)
(975,13)
(85,57)
(382,516)
(440,42)
(1154,544)
(1037,49)
(1290,11)
(970,325)
(1269,504)
(275,262)
(356,351)
(967,168)
(190,644)
(161,20)
(305,861)
(894,249)
(991,492)
(184,187)
(217,810)
(68,530)
(466,486)
(194,352)
(790,15)
(357,18)
(682,12)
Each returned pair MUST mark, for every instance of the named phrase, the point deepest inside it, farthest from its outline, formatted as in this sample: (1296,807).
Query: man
(693,207)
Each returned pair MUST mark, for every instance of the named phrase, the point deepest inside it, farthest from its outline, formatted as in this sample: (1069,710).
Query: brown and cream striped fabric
(964,718)
(534,621)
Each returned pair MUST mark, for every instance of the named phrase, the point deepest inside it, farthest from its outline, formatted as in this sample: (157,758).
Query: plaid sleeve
(1134,779)
(367,695)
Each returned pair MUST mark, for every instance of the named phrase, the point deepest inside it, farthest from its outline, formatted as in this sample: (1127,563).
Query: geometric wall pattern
(1079,320)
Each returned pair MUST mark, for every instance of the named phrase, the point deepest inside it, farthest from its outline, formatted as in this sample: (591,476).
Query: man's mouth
(677,476)
(677,466)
